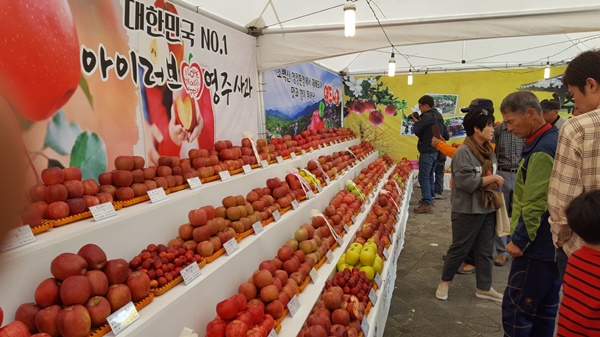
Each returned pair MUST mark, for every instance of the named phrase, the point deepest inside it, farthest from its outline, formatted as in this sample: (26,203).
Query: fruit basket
(140,199)
(76,217)
(161,290)
(44,226)
(104,329)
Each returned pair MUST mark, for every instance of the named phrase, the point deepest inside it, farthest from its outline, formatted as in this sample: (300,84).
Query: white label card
(272,333)
(293,305)
(122,318)
(190,273)
(303,152)
(386,254)
(258,228)
(264,163)
(364,326)
(194,183)
(329,256)
(293,154)
(373,296)
(247,168)
(346,228)
(276,215)
(279,159)
(103,211)
(231,246)
(17,237)
(363,208)
(340,240)
(327,181)
(224,175)
(310,194)
(314,275)
(378,280)
(397,217)
(319,188)
(157,194)
(295,204)
(353,219)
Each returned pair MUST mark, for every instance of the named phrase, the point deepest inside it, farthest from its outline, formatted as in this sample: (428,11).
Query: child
(579,311)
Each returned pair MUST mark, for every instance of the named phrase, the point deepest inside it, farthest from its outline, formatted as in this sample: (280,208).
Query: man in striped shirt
(577,161)
(579,311)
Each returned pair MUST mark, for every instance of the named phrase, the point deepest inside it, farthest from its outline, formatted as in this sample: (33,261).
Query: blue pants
(530,302)
(427,163)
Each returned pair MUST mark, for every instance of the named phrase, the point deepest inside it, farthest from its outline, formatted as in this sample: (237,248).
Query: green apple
(355,246)
(367,257)
(378,266)
(369,271)
(341,261)
(352,257)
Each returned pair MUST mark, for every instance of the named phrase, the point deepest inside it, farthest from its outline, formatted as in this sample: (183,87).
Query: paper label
(310,194)
(190,273)
(378,280)
(314,275)
(157,194)
(364,326)
(327,181)
(247,168)
(353,219)
(340,240)
(397,217)
(18,237)
(386,254)
(195,183)
(363,208)
(329,256)
(373,296)
(293,305)
(303,152)
(319,188)
(276,215)
(264,163)
(279,159)
(224,175)
(258,228)
(293,154)
(346,228)
(103,211)
(122,318)
(295,204)
(272,333)
(231,246)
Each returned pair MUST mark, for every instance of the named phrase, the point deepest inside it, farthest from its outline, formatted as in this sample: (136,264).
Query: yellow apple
(367,257)
(369,271)
(352,257)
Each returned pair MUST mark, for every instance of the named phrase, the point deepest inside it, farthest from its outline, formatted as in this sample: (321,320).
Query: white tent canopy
(429,36)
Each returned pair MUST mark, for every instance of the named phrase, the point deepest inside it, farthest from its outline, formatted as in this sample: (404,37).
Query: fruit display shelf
(193,305)
(308,298)
(132,228)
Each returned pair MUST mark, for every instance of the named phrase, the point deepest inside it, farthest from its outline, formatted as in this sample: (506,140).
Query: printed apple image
(156,50)
(186,110)
(376,117)
(191,76)
(390,109)
(39,69)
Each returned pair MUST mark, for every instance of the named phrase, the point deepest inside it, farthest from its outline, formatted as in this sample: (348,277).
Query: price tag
(224,175)
(363,208)
(386,254)
(231,246)
(397,217)
(273,333)
(346,228)
(194,183)
(327,181)
(340,240)
(293,154)
(319,188)
(190,273)
(320,146)
(264,163)
(103,211)
(157,194)
(329,256)
(364,326)
(353,218)
(247,169)
(293,305)
(303,152)
(276,215)
(279,159)
(122,318)
(258,228)
(295,204)
(391,236)
(373,296)
(18,237)
(378,280)
(310,194)
(314,275)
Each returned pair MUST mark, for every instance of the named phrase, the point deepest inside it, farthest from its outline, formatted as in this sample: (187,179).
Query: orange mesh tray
(77,217)
(140,199)
(242,235)
(304,284)
(215,255)
(44,226)
(179,188)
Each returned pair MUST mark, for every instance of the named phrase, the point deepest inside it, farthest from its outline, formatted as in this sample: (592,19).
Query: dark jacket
(529,224)
(423,130)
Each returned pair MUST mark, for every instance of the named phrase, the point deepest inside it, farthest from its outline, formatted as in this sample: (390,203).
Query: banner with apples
(301,97)
(91,80)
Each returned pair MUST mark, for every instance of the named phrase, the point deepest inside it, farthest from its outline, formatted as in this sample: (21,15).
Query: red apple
(67,264)
(139,285)
(98,282)
(47,292)
(93,255)
(98,308)
(45,320)
(74,321)
(118,295)
(116,271)
(75,289)
(15,329)
(26,313)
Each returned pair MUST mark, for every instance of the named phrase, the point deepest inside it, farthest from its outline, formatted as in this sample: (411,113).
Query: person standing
(427,154)
(474,205)
(508,151)
(550,110)
(577,161)
(531,298)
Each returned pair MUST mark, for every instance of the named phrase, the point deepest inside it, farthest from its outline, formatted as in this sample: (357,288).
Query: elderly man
(550,110)
(531,298)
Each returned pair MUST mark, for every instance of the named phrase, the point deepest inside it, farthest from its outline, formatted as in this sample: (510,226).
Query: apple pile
(362,149)
(161,263)
(84,290)
(238,317)
(364,257)
(402,171)
(341,307)
(338,213)
(61,193)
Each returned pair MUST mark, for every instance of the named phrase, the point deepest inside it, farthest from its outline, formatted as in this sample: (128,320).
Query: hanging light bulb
(410,76)
(349,18)
(547,70)
(392,66)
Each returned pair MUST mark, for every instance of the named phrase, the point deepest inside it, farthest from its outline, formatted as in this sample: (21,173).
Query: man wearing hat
(550,112)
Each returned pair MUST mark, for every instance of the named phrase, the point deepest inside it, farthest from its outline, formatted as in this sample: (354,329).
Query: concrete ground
(415,311)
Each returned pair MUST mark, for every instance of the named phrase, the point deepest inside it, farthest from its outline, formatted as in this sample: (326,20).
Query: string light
(547,70)
(349,18)
(392,66)
(410,79)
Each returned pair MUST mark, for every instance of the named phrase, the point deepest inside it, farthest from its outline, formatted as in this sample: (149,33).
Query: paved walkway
(415,311)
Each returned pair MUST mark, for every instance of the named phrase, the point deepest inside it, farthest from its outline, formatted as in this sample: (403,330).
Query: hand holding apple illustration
(39,67)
